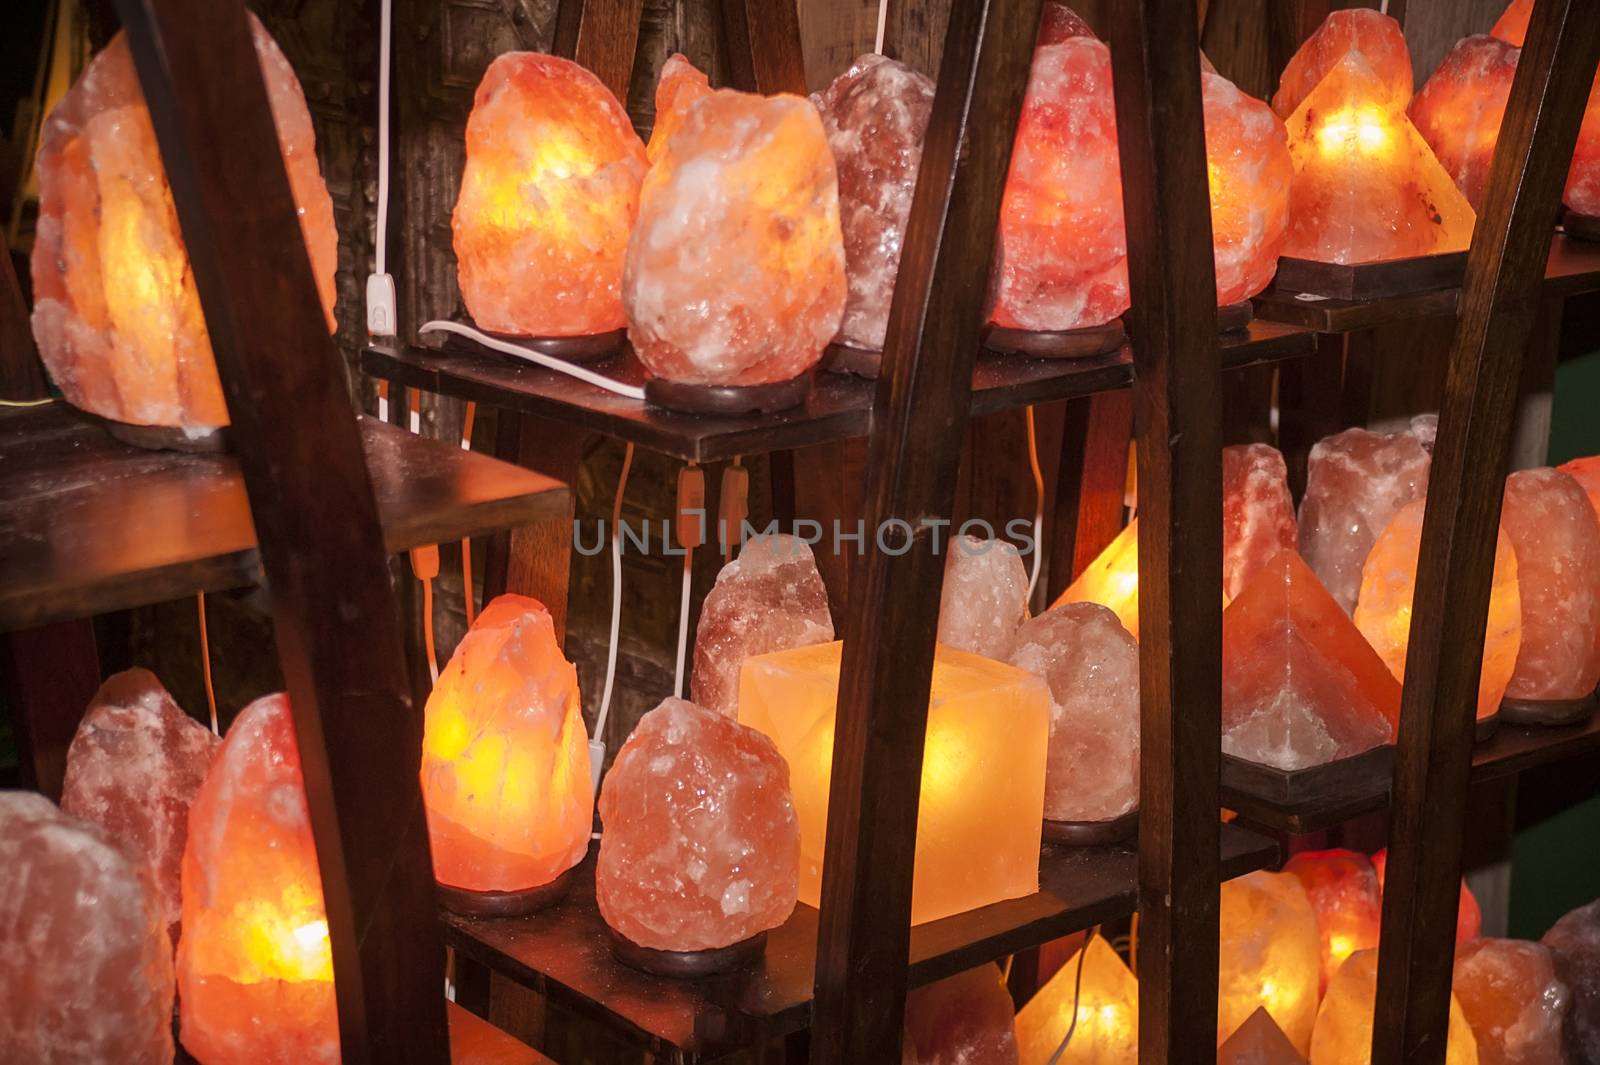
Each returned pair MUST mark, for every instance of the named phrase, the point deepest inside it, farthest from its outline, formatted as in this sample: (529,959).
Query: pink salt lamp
(86,974)
(1375,37)
(1250,172)
(1574,943)
(1469,916)
(255,966)
(1343,1033)
(1107,1012)
(1513,1001)
(134,768)
(1112,579)
(1257,512)
(1343,888)
(1269,954)
(984,597)
(1057,22)
(966,1018)
(983,771)
(547,200)
(116,314)
(505,765)
(700,847)
(682,85)
(1383,609)
(1586,472)
(1459,111)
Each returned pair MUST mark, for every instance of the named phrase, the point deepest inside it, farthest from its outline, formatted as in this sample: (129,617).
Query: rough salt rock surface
(505,755)
(752,177)
(1257,512)
(255,966)
(1343,888)
(1376,38)
(134,768)
(1344,1022)
(1247,157)
(1513,1000)
(1061,260)
(1091,665)
(701,847)
(985,596)
(1586,472)
(116,314)
(1556,536)
(1388,581)
(682,85)
(770,598)
(1300,685)
(965,1019)
(1469,916)
(547,200)
(86,977)
(1107,1004)
(1058,22)
(875,114)
(1459,111)
(1356,481)
(1259,1041)
(1512,25)
(1268,941)
(1574,943)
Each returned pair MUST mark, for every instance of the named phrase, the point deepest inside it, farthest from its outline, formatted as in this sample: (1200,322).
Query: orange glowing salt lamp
(1343,1033)
(682,85)
(981,815)
(116,313)
(1469,915)
(1269,955)
(1459,110)
(255,966)
(1249,172)
(1343,888)
(1259,1041)
(1112,579)
(1383,608)
(505,765)
(548,197)
(1107,997)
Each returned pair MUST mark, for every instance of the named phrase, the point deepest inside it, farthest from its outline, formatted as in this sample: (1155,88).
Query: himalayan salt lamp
(875,114)
(1469,917)
(1376,38)
(134,768)
(1574,943)
(255,966)
(1269,955)
(1249,171)
(1057,22)
(1257,512)
(1556,536)
(983,769)
(1107,1012)
(1300,686)
(984,598)
(1366,185)
(1259,1041)
(1091,665)
(1355,483)
(965,1019)
(548,197)
(1343,888)
(116,314)
(682,85)
(1459,111)
(701,844)
(86,975)
(1512,25)
(753,178)
(1586,472)
(1343,1033)
(505,764)
(1112,579)
(770,598)
(1061,258)
(1383,609)
(1513,1001)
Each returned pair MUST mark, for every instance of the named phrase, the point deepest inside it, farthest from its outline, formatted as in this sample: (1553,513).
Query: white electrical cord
(883,18)
(381,239)
(1038,512)
(683,620)
(550,362)
(205,662)
(1077,988)
(616,595)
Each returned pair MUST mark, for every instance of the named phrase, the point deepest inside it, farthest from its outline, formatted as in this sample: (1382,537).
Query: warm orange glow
(1343,1033)
(505,758)
(1112,579)
(1269,956)
(1366,129)
(1108,1013)
(978,827)
(1343,888)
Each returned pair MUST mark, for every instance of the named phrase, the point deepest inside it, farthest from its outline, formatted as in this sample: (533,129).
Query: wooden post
(1499,301)
(601,37)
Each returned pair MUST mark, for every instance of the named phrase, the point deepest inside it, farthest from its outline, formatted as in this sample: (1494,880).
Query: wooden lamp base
(1234,317)
(1552,712)
(1486,727)
(1581,226)
(469,903)
(728,399)
(169,437)
(1056,344)
(1092,833)
(847,358)
(590,347)
(687,964)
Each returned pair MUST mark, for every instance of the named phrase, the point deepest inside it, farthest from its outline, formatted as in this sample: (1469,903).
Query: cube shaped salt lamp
(548,198)
(983,767)
(1107,1012)
(255,965)
(505,765)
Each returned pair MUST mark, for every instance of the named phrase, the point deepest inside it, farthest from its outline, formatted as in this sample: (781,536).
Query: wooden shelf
(1573,269)
(564,953)
(840,406)
(1512,749)
(89,524)
(473,1041)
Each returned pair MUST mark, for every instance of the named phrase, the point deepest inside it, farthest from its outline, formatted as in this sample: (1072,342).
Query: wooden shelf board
(88,524)
(840,406)
(1512,749)
(564,952)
